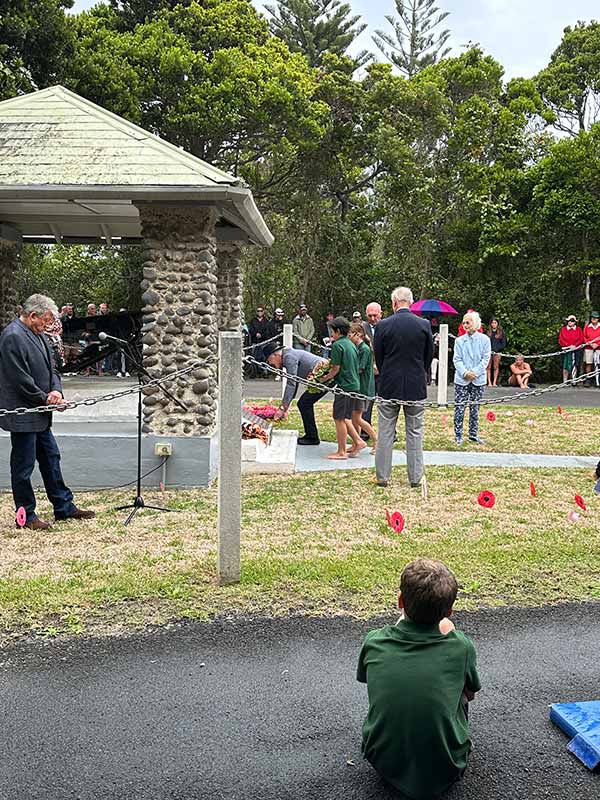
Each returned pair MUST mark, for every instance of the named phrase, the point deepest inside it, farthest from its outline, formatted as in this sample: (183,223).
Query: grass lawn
(517,429)
(314,543)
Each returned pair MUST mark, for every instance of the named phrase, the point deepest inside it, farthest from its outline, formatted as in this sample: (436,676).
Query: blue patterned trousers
(470,394)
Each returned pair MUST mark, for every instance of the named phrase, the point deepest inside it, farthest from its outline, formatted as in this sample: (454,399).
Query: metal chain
(541,355)
(92,401)
(260,344)
(335,390)
(309,341)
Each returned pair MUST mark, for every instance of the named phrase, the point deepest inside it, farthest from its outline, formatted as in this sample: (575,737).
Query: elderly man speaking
(28,379)
(403,351)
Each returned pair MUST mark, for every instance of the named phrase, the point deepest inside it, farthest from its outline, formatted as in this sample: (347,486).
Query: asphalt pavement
(270,710)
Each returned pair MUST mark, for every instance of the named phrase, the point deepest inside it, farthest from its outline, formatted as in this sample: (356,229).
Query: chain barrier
(541,355)
(335,390)
(261,344)
(92,401)
(309,341)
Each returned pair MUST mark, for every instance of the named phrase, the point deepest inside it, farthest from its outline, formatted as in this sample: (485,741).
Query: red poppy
(532,489)
(580,502)
(490,416)
(395,521)
(486,499)
(21,517)
(559,409)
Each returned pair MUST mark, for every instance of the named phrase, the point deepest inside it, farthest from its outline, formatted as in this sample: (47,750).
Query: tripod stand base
(137,504)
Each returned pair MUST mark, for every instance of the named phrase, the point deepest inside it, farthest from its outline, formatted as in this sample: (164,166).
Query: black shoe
(306,440)
(365,437)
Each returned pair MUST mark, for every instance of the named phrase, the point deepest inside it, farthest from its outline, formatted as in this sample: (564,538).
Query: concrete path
(270,710)
(314,459)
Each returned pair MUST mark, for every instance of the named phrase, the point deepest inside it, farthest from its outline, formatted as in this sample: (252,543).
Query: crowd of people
(68,341)
(394,358)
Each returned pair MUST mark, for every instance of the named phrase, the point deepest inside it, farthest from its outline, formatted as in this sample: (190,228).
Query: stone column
(180,321)
(10,258)
(229,286)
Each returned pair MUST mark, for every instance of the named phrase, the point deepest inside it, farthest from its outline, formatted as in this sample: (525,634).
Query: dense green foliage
(435,172)
(316,27)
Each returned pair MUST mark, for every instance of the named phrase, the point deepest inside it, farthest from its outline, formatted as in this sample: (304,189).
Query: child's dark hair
(341,325)
(598,471)
(428,590)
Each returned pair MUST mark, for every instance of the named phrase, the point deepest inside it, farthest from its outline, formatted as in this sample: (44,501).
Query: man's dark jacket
(403,351)
(27,376)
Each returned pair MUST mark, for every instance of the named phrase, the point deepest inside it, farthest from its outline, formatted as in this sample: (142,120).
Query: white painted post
(442,375)
(230,457)
(287,342)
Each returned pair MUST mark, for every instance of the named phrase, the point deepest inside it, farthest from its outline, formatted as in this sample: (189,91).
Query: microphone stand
(142,373)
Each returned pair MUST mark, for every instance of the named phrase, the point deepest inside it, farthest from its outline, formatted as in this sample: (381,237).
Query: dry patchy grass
(315,543)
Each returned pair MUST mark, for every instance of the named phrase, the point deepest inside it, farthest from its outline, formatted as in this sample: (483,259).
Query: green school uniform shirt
(416,733)
(365,369)
(344,353)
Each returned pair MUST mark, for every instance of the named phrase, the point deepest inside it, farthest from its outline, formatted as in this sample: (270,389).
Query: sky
(520,34)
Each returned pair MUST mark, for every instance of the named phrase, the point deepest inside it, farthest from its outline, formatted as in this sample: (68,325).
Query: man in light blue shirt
(472,353)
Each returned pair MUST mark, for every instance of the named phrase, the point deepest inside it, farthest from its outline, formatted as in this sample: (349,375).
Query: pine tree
(316,27)
(414,44)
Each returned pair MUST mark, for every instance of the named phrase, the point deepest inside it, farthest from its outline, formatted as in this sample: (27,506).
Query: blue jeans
(27,448)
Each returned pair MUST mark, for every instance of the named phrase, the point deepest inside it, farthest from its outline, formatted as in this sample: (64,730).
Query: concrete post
(442,375)
(287,342)
(230,457)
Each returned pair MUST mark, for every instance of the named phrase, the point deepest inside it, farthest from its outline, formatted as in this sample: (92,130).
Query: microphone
(104,336)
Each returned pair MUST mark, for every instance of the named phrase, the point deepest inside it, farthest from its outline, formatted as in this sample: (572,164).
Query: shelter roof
(72,171)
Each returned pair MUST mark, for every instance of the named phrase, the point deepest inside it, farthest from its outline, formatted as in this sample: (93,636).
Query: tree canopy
(430,170)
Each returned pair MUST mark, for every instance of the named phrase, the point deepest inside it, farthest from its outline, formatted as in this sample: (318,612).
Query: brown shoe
(36,525)
(79,513)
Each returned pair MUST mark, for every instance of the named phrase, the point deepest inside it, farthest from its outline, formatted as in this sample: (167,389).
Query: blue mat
(580,721)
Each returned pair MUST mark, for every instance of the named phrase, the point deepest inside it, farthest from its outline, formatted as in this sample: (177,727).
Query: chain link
(260,344)
(92,401)
(541,355)
(335,390)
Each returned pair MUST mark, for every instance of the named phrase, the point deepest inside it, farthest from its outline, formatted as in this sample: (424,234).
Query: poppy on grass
(395,521)
(532,491)
(21,517)
(490,416)
(580,502)
(486,499)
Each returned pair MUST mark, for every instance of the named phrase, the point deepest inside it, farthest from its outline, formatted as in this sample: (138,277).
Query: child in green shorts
(366,376)
(420,675)
(344,369)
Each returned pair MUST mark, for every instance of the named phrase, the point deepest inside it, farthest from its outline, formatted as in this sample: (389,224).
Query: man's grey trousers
(414,425)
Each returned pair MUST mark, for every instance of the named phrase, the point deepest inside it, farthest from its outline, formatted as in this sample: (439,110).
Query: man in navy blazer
(28,379)
(403,348)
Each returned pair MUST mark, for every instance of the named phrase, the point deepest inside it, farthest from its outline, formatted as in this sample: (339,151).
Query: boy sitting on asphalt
(420,675)
(343,362)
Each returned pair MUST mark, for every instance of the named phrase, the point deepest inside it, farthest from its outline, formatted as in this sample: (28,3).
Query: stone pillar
(180,321)
(229,286)
(10,259)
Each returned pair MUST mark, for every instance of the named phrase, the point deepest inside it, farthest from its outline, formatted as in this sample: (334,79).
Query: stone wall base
(104,460)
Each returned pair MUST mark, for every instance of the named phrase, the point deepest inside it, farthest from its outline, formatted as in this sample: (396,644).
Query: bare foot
(337,456)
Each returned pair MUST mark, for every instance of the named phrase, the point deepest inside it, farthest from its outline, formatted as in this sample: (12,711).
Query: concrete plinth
(103,460)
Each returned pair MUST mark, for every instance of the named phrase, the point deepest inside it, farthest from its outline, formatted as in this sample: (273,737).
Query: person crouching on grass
(344,369)
(366,376)
(420,675)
